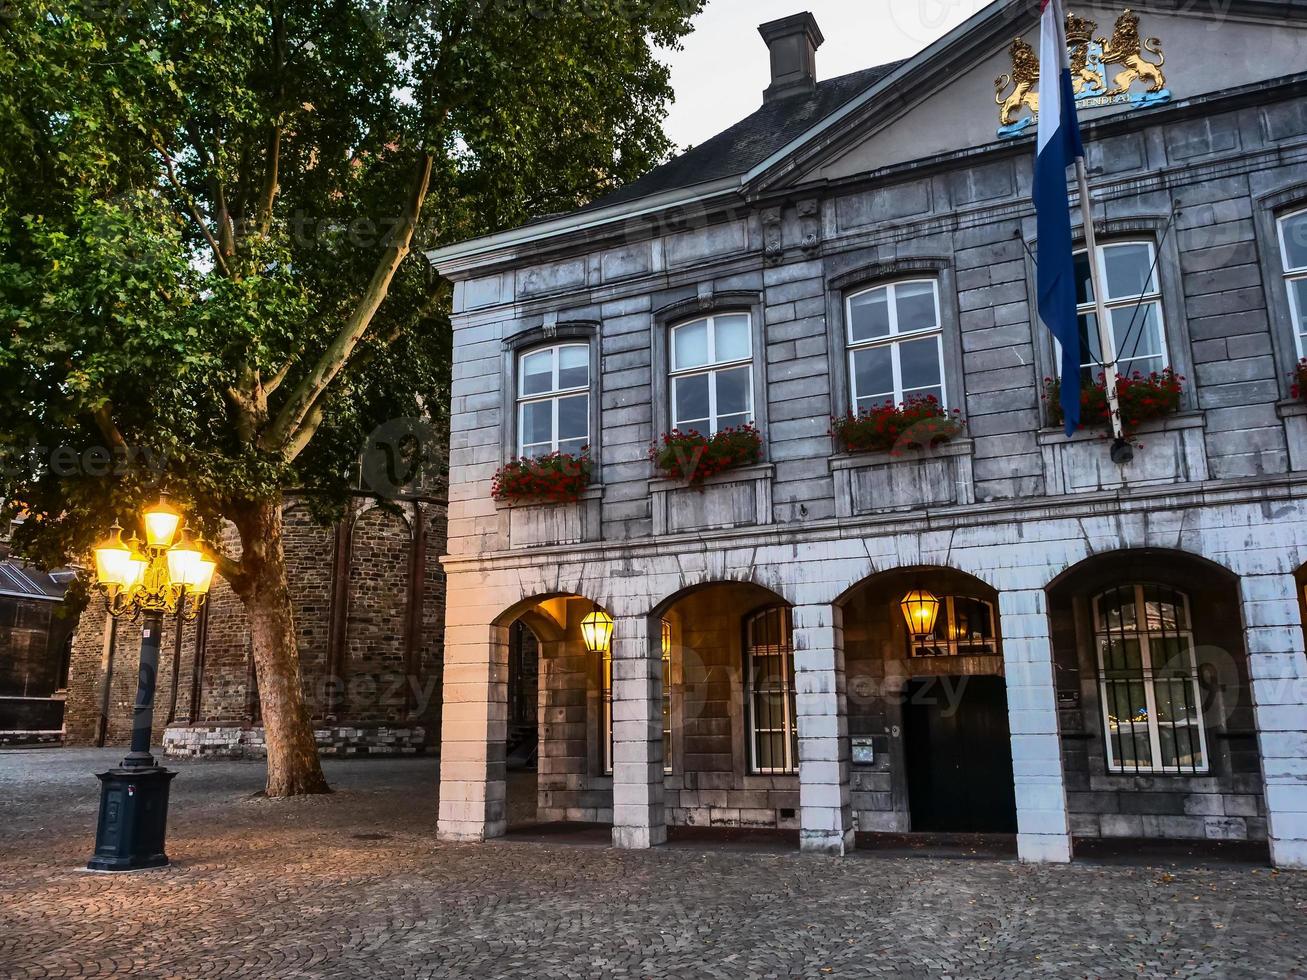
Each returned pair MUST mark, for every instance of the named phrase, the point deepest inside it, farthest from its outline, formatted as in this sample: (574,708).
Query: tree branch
(270,183)
(228,568)
(105,423)
(194,210)
(283,431)
(273,383)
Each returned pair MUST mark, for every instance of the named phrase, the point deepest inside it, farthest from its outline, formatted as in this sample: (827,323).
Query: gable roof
(737,150)
(19,580)
(773,144)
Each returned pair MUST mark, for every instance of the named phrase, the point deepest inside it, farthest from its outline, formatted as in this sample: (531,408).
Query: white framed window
(712,373)
(769,692)
(1148,681)
(606,683)
(896,344)
(963,628)
(1293,259)
(1133,299)
(553,400)
(666,639)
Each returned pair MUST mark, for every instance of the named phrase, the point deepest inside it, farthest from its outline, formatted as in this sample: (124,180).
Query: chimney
(793,42)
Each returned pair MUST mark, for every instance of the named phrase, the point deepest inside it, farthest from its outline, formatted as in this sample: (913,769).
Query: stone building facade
(368,596)
(1119,650)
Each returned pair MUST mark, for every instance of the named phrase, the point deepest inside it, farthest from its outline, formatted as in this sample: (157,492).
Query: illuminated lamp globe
(920,609)
(137,565)
(161,522)
(112,560)
(597,631)
(184,560)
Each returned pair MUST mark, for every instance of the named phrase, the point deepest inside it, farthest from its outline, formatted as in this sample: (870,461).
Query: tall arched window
(712,373)
(1148,681)
(606,683)
(1293,257)
(769,692)
(895,343)
(553,400)
(1133,298)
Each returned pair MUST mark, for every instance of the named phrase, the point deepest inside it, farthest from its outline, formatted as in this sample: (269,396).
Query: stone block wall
(967,223)
(369,615)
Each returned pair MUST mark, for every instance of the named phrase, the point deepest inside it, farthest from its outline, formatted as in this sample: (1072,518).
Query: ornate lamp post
(167,573)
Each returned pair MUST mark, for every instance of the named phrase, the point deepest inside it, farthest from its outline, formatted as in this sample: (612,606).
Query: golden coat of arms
(1090,57)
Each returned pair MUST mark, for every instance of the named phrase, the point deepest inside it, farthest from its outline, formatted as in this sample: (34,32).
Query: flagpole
(1105,341)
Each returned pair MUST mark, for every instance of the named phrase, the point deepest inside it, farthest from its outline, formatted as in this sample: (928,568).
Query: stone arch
(376,626)
(661,608)
(1126,553)
(1155,697)
(927,712)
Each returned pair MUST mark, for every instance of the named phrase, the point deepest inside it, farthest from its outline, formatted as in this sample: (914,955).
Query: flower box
(554,479)
(691,457)
(1298,390)
(1143,399)
(917,423)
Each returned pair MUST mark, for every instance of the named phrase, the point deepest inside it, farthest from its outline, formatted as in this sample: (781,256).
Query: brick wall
(387,677)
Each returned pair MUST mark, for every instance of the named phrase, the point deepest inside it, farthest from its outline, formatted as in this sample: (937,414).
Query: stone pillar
(639,819)
(1043,826)
(825,797)
(473,733)
(1277,668)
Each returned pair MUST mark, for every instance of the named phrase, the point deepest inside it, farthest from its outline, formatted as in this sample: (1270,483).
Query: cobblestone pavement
(356,885)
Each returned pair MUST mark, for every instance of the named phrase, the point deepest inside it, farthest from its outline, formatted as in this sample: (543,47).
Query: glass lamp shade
(112,559)
(597,631)
(920,609)
(184,562)
(204,577)
(667,639)
(161,523)
(137,565)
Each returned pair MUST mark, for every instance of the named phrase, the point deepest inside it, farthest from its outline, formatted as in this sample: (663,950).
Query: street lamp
(597,631)
(920,610)
(167,573)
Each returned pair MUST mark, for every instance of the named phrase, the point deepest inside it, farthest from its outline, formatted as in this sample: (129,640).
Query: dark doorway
(959,755)
(523,696)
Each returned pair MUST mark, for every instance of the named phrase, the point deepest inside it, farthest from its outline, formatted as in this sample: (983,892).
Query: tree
(210,217)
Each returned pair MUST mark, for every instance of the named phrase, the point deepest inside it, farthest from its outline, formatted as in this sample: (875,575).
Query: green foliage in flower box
(557,478)
(1143,398)
(918,422)
(692,457)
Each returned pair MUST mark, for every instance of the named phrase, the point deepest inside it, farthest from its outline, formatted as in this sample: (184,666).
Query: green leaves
(195,201)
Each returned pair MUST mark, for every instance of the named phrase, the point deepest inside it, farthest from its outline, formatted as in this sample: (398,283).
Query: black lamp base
(133,819)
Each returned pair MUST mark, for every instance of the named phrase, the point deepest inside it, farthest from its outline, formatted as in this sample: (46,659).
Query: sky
(720,75)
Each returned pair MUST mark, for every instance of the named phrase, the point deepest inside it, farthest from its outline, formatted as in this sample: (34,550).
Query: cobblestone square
(356,885)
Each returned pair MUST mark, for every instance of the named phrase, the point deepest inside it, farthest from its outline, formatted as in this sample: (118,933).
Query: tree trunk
(293,765)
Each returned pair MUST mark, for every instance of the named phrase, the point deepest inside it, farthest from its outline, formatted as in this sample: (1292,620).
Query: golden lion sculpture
(1125,49)
(1025,74)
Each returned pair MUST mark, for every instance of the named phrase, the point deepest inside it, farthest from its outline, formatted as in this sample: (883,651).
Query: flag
(1056,148)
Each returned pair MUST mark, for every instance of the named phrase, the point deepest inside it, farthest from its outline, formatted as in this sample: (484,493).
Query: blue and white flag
(1057,147)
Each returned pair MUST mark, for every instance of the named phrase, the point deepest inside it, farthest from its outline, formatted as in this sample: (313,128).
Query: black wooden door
(959,755)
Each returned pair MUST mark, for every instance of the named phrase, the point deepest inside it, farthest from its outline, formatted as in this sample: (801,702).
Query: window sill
(853,461)
(741,474)
(1290,408)
(1172,423)
(593,492)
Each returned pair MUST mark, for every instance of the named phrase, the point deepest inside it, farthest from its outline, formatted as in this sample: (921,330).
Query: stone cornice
(1213,493)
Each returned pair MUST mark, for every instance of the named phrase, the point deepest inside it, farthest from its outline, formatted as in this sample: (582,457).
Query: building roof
(22,581)
(750,141)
